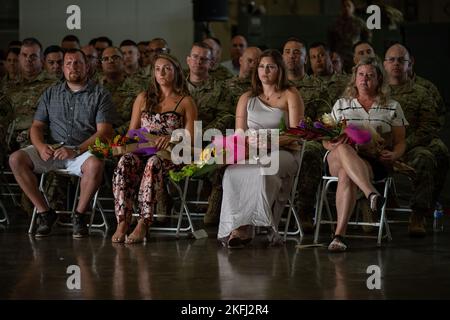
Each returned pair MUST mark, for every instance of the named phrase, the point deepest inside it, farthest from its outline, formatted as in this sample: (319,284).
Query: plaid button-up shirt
(72,117)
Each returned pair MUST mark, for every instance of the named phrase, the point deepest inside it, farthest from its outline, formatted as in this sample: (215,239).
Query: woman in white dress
(366,103)
(249,197)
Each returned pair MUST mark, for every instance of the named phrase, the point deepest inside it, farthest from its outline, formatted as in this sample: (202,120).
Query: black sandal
(376,202)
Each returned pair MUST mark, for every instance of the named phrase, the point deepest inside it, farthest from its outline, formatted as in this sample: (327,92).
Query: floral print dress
(143,177)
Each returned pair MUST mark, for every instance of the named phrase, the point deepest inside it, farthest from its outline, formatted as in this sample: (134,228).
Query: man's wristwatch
(77,151)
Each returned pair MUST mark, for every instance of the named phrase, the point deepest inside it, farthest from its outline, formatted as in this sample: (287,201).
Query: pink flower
(357,134)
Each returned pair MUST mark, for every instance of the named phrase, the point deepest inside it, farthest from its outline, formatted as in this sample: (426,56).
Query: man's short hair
(128,42)
(71,38)
(52,49)
(359,43)
(203,45)
(319,44)
(104,39)
(92,42)
(160,40)
(75,50)
(216,41)
(145,43)
(28,42)
(392,43)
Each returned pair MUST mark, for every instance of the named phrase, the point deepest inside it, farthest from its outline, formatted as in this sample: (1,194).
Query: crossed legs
(353,173)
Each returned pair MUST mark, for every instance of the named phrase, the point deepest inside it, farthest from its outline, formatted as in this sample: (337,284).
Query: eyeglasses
(112,58)
(196,57)
(400,60)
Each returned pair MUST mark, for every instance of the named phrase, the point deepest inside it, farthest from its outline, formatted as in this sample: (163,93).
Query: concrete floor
(185,269)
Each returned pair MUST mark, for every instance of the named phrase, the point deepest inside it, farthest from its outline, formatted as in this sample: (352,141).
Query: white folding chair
(292,210)
(103,224)
(180,195)
(322,200)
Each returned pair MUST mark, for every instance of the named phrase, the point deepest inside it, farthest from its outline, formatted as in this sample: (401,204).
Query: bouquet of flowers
(101,149)
(326,128)
(138,141)
(221,152)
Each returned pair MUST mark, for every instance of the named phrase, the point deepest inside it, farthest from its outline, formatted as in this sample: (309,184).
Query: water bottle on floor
(438,222)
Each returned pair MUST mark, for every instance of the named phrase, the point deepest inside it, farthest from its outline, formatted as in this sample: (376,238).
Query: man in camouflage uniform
(320,61)
(425,152)
(11,66)
(92,62)
(242,83)
(214,105)
(217,71)
(24,95)
(53,62)
(316,103)
(362,49)
(25,92)
(131,54)
(123,89)
(434,92)
(347,30)
(155,46)
(215,110)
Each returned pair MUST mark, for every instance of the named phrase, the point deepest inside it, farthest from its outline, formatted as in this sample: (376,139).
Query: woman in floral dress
(163,108)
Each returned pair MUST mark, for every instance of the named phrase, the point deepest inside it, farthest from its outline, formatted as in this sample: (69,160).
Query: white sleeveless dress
(249,197)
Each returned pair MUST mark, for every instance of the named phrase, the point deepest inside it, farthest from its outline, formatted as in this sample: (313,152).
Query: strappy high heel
(131,239)
(119,238)
(376,202)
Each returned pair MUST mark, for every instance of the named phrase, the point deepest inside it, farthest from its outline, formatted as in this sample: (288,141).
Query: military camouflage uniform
(334,84)
(24,96)
(214,105)
(123,96)
(236,87)
(425,152)
(220,73)
(434,92)
(316,101)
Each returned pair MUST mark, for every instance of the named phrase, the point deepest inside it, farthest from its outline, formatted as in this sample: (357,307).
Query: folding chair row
(95,207)
(322,200)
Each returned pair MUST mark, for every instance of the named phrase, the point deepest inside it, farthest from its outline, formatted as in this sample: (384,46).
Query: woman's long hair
(154,93)
(382,91)
(282,81)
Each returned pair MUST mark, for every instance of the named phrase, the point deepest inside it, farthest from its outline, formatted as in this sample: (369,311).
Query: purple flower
(302,124)
(318,125)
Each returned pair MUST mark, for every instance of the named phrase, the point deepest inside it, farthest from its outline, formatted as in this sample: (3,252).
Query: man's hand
(64,154)
(45,152)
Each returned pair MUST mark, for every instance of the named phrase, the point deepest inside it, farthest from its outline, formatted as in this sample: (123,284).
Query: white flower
(328,120)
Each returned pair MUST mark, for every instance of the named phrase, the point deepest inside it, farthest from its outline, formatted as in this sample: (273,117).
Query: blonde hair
(382,91)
